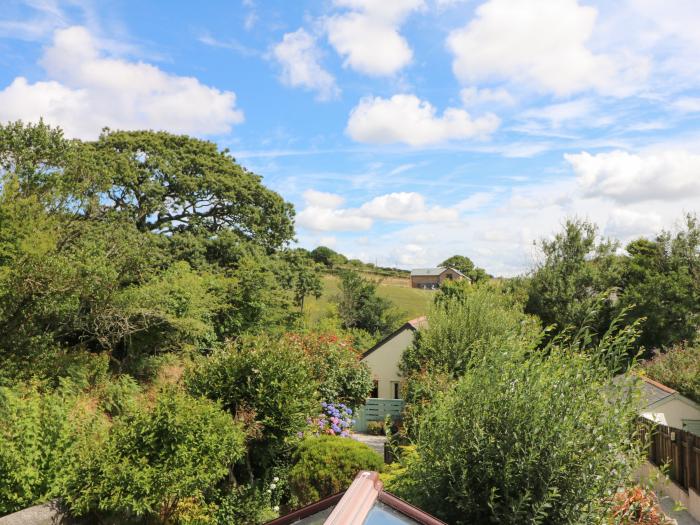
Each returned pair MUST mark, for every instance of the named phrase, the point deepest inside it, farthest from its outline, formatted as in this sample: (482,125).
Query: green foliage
(325,465)
(245,505)
(303,277)
(661,283)
(154,462)
(657,280)
(678,368)
(577,268)
(359,305)
(267,384)
(137,244)
(465,265)
(465,318)
(34,434)
(526,436)
(327,257)
(174,183)
(335,365)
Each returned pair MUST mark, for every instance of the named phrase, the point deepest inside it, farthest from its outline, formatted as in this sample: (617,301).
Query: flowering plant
(335,420)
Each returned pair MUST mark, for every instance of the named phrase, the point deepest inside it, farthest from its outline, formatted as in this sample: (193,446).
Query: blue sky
(403,131)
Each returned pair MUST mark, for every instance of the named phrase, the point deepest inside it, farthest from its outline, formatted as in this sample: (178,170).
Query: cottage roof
(432,272)
(654,391)
(414,324)
(364,502)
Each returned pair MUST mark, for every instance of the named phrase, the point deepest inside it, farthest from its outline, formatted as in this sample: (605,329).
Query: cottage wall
(672,413)
(425,281)
(384,362)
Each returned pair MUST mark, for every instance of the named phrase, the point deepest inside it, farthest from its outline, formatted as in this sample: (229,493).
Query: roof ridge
(659,385)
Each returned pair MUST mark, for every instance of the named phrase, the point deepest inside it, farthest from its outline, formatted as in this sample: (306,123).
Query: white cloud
(407,119)
(473,96)
(368,35)
(323,199)
(299,57)
(688,104)
(628,178)
(541,44)
(323,211)
(406,206)
(86,91)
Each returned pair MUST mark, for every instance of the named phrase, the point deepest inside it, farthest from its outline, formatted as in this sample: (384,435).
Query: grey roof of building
(432,272)
(655,392)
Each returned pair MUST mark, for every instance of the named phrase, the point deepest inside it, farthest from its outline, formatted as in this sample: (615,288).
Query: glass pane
(384,515)
(318,518)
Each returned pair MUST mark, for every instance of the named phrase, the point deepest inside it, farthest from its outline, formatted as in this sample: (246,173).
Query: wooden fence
(376,409)
(677,448)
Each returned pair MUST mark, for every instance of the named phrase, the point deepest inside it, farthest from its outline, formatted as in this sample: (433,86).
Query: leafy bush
(34,434)
(463,319)
(154,462)
(264,382)
(375,428)
(678,368)
(325,465)
(336,365)
(525,436)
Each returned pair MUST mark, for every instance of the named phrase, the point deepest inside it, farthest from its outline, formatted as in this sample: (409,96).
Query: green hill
(412,301)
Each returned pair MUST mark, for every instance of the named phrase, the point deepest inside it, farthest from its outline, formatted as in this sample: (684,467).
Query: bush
(34,432)
(325,465)
(336,366)
(375,428)
(678,368)
(525,436)
(156,463)
(462,319)
(266,383)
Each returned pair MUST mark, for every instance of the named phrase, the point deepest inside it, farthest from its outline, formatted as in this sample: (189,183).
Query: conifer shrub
(325,465)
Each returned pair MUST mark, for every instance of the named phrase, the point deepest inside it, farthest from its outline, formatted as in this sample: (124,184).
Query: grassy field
(412,301)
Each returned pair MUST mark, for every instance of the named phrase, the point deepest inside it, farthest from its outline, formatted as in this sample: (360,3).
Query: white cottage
(384,357)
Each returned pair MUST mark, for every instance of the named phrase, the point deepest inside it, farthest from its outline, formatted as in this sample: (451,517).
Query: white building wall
(672,413)
(384,361)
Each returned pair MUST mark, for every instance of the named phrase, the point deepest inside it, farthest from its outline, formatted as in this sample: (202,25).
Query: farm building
(432,278)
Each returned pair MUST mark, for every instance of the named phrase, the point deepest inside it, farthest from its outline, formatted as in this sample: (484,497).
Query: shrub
(33,438)
(463,319)
(152,461)
(325,465)
(266,383)
(375,428)
(525,436)
(336,365)
(678,368)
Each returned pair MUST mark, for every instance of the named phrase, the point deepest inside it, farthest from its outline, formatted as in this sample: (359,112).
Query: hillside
(412,301)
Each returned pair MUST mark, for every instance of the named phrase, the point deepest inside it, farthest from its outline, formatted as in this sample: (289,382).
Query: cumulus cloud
(541,44)
(86,91)
(323,211)
(410,120)
(627,178)
(368,35)
(406,206)
(299,58)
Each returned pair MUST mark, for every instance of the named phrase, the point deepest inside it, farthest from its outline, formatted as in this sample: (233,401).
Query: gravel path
(376,443)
